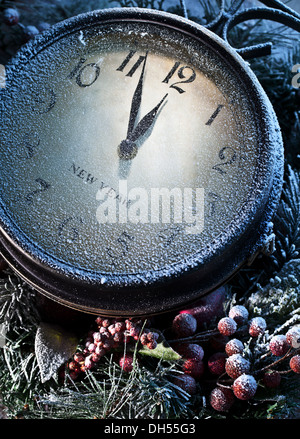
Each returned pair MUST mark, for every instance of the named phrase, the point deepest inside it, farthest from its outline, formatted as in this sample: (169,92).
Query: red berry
(193,368)
(120,326)
(187,383)
(91,347)
(244,387)
(152,336)
(227,326)
(221,399)
(134,332)
(234,346)
(271,379)
(11,16)
(190,350)
(257,326)
(236,365)
(88,362)
(144,339)
(184,325)
(73,365)
(279,345)
(216,363)
(239,314)
(295,363)
(78,357)
(111,329)
(151,344)
(293,337)
(126,362)
(95,357)
(99,321)
(106,323)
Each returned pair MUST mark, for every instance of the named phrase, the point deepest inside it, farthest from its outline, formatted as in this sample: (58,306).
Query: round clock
(141,162)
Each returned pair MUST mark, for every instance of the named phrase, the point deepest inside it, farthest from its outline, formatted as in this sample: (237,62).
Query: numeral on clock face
(214,115)
(43,186)
(85,75)
(134,67)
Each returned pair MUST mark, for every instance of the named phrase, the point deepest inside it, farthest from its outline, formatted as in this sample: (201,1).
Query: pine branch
(109,393)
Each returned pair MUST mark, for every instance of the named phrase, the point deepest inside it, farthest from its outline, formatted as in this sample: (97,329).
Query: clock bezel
(183,283)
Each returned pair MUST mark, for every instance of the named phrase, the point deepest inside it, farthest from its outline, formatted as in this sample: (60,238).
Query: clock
(141,163)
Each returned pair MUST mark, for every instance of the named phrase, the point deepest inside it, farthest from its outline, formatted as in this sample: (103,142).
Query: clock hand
(136,100)
(127,149)
(146,122)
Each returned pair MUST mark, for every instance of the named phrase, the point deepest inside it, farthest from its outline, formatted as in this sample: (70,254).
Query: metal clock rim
(151,278)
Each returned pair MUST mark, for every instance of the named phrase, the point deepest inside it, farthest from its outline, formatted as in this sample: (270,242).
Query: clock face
(127,148)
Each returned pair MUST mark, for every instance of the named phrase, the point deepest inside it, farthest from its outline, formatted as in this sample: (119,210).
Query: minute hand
(136,100)
(145,123)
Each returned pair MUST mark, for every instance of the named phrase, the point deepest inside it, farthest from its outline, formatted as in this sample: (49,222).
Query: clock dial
(127,148)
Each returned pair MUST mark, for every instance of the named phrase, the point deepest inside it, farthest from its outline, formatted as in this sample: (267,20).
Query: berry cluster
(238,367)
(221,354)
(109,335)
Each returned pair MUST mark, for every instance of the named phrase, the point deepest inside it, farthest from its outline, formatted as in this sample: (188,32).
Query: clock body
(141,162)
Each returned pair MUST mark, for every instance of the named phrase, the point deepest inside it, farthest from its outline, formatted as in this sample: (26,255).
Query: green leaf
(162,351)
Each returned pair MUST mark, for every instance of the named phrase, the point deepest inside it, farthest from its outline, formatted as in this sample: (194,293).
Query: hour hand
(128,148)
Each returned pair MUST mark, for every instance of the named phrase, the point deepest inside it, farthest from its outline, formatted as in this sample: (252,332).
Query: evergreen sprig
(109,393)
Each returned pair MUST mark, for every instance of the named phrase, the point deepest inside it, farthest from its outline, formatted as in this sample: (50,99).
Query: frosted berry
(279,345)
(184,325)
(151,344)
(79,357)
(190,350)
(126,362)
(187,383)
(73,365)
(221,399)
(88,362)
(244,387)
(43,26)
(293,337)
(271,379)
(99,321)
(295,363)
(30,32)
(257,326)
(105,323)
(11,16)
(239,314)
(227,326)
(149,338)
(144,340)
(193,368)
(120,326)
(234,346)
(216,363)
(236,365)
